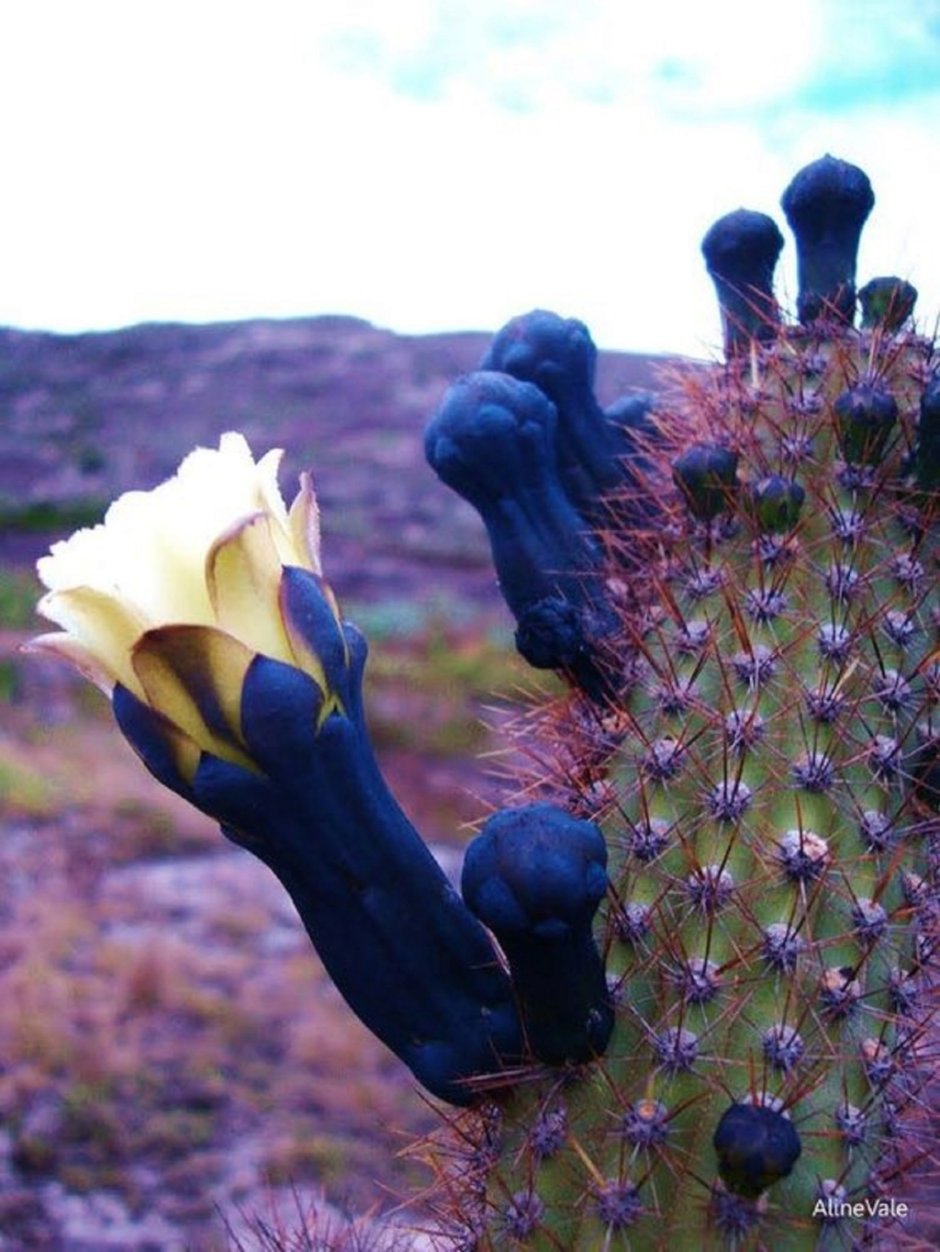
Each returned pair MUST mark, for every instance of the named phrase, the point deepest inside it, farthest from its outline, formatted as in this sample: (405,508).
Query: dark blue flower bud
(706,475)
(928,437)
(493,442)
(826,205)
(632,415)
(887,302)
(777,502)
(535,876)
(756,1147)
(303,792)
(558,356)
(865,417)
(741,251)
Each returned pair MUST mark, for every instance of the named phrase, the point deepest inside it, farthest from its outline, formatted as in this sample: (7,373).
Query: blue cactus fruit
(741,252)
(827,204)
(535,876)
(600,460)
(493,442)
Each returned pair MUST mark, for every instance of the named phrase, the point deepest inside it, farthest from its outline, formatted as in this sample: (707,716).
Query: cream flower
(182,579)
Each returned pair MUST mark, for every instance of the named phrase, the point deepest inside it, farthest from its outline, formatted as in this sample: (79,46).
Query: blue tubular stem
(827,204)
(535,876)
(597,457)
(407,955)
(493,442)
(741,251)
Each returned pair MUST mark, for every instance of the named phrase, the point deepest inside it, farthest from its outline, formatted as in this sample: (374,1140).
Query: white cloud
(428,164)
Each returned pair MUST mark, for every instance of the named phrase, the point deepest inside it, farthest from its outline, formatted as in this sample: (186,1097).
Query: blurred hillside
(84,417)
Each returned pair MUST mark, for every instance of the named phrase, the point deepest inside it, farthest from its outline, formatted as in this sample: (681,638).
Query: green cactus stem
(769,791)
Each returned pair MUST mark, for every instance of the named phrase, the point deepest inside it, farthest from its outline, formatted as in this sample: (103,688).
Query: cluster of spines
(770,813)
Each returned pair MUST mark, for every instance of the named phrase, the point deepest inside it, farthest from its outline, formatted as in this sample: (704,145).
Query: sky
(444,164)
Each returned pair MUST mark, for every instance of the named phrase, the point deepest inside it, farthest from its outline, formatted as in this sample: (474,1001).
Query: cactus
(688,988)
(768,788)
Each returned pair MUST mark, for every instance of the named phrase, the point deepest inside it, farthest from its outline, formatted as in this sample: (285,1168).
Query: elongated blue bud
(597,457)
(827,204)
(535,876)
(306,796)
(493,442)
(741,251)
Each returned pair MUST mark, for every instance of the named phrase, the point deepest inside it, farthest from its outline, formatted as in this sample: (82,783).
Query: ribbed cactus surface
(765,768)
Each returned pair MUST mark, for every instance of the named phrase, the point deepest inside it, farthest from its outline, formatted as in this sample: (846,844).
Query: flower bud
(865,417)
(535,876)
(887,302)
(493,442)
(756,1147)
(597,458)
(741,251)
(776,502)
(826,205)
(706,475)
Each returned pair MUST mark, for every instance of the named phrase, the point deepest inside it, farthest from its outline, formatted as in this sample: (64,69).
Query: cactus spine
(764,764)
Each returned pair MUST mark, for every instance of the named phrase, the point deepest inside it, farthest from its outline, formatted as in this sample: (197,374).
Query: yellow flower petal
(186,752)
(305,524)
(194,675)
(67,648)
(204,548)
(105,627)
(243,574)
